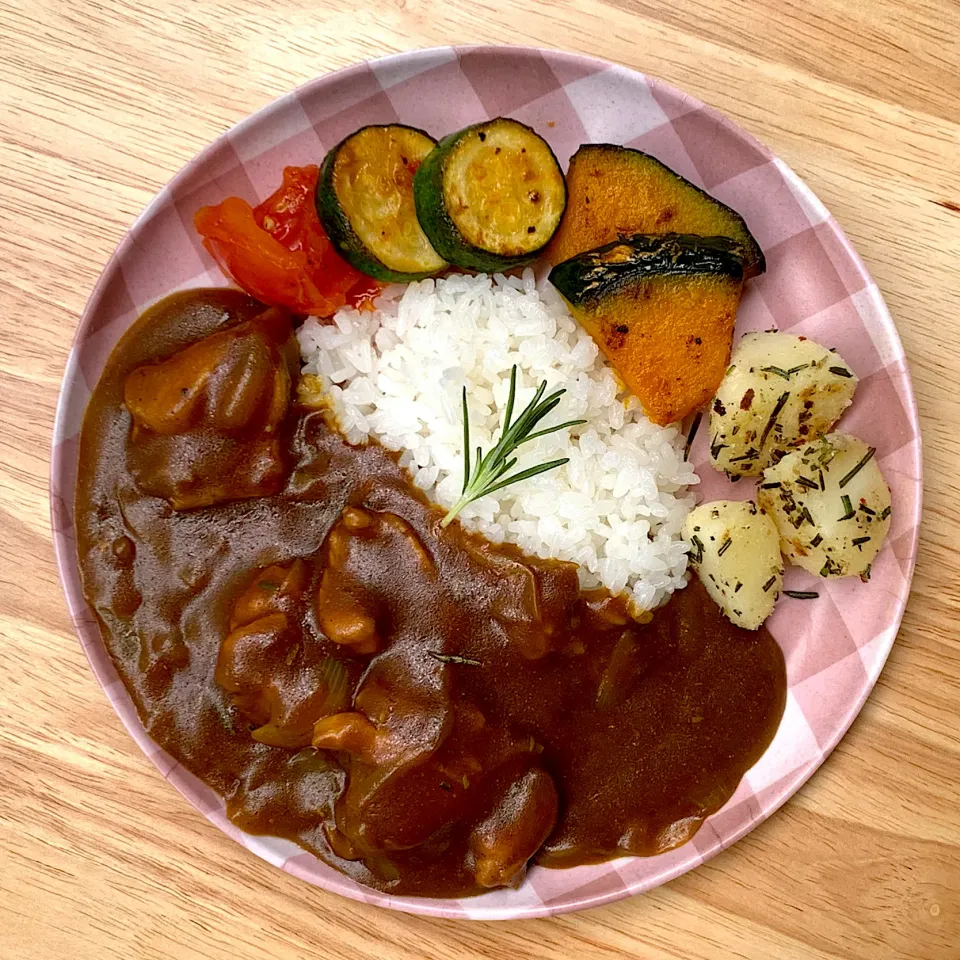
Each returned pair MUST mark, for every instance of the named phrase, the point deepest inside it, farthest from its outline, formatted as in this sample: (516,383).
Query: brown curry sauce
(470,706)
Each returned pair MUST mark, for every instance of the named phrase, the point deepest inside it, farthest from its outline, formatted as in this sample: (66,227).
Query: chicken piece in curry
(425,711)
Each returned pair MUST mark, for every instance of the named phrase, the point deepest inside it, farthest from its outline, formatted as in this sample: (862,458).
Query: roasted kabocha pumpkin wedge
(662,309)
(616,191)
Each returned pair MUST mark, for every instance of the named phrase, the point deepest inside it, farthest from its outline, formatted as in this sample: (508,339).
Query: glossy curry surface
(425,711)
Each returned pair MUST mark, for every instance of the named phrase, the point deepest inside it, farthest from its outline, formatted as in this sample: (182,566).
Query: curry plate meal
(390,545)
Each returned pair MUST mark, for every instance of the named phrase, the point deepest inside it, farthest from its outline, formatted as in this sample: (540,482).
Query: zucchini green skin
(597,274)
(443,233)
(337,224)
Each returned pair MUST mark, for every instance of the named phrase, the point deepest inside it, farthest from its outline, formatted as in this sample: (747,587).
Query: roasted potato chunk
(779,391)
(735,550)
(831,506)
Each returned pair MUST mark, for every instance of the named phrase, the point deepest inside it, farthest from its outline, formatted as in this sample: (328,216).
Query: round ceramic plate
(815,285)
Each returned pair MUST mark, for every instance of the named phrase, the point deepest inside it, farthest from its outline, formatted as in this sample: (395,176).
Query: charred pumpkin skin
(616,191)
(365,203)
(662,309)
(490,196)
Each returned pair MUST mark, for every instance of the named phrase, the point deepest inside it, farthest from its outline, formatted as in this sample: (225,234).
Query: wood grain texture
(102,101)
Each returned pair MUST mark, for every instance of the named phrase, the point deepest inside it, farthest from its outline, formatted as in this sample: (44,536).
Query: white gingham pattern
(815,285)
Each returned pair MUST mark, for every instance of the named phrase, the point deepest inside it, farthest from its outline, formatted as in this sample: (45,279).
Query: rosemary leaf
(549,430)
(453,658)
(526,474)
(786,374)
(830,567)
(858,467)
(466,441)
(781,403)
(694,427)
(698,543)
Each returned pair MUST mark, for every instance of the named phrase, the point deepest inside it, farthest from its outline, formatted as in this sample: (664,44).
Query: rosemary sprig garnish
(841,371)
(848,512)
(487,473)
(802,594)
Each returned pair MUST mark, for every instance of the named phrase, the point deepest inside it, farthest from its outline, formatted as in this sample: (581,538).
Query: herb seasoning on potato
(779,391)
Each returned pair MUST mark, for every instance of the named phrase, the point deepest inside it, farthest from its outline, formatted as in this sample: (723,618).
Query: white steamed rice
(396,374)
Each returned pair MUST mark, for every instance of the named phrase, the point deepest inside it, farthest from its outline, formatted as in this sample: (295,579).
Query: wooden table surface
(101,101)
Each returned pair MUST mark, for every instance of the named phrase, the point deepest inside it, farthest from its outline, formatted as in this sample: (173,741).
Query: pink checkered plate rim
(815,286)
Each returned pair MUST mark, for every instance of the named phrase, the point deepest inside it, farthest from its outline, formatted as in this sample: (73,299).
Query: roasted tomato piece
(278,251)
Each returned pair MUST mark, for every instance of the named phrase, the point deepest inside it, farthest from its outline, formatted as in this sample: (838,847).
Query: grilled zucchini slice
(662,309)
(365,203)
(617,191)
(490,196)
